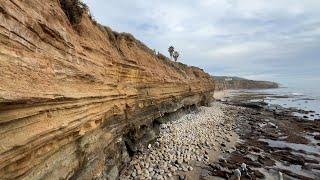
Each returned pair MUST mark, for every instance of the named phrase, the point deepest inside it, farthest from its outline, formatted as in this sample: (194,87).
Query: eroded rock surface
(71,94)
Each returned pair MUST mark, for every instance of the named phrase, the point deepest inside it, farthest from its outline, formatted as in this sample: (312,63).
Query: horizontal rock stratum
(71,93)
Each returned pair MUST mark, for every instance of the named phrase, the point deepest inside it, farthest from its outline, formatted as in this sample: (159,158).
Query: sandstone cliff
(225,82)
(74,96)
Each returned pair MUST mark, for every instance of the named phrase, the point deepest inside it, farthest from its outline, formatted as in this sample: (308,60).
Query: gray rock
(185,169)
(182,177)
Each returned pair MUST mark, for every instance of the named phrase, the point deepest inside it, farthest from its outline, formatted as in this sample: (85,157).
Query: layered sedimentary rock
(73,97)
(225,83)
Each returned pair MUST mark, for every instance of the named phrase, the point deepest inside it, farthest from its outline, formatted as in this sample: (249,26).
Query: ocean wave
(297,94)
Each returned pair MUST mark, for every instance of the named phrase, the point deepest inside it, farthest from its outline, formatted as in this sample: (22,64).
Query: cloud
(236,51)
(251,38)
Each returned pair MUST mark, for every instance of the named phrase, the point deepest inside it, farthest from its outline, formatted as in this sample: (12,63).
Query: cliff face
(73,97)
(224,83)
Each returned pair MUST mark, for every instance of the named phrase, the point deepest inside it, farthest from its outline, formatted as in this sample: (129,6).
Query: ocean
(304,98)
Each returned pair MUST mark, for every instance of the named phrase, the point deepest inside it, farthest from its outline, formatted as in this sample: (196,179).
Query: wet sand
(221,94)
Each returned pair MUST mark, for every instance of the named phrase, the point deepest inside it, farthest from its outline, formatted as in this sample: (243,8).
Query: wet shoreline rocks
(272,144)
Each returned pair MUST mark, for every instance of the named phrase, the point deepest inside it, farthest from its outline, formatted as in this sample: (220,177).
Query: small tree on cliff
(175,55)
(171,50)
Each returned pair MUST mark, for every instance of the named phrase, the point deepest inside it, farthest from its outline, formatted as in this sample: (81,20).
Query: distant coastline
(234,83)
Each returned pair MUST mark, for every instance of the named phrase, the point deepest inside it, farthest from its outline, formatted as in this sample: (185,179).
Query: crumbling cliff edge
(75,99)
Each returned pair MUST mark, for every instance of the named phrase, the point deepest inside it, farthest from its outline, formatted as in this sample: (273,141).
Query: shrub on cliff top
(73,9)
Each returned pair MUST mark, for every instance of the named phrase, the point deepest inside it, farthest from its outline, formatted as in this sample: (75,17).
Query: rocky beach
(212,142)
(185,145)
(80,100)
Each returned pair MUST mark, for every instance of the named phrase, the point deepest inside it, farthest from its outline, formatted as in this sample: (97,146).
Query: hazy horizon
(262,40)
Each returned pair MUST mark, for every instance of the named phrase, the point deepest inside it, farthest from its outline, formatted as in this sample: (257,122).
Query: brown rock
(258,174)
(69,94)
(265,161)
(255,149)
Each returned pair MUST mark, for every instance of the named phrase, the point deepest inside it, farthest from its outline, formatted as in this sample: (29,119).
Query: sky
(275,40)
